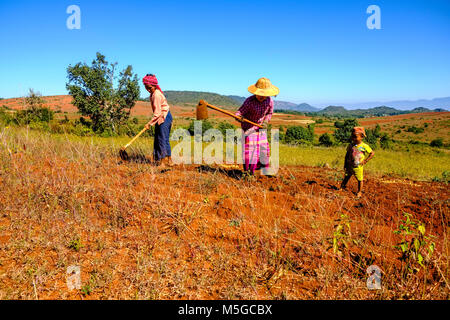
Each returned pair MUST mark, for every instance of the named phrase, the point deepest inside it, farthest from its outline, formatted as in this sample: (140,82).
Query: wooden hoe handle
(229,113)
(132,140)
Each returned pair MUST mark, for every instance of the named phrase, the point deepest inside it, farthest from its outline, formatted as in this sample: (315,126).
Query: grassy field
(414,161)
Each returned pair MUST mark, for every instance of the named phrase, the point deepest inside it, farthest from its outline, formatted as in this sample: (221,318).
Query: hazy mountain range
(354,109)
(440,104)
(443,103)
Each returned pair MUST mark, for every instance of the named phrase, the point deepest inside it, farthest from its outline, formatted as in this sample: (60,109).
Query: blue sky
(318,52)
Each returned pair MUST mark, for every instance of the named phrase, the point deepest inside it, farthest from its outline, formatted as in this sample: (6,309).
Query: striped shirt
(253,110)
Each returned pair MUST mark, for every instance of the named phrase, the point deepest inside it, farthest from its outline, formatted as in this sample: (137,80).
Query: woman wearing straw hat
(259,109)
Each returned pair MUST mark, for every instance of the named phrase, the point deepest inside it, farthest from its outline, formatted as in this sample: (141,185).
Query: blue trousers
(161,148)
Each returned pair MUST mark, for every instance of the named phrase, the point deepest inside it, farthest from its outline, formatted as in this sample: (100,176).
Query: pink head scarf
(150,80)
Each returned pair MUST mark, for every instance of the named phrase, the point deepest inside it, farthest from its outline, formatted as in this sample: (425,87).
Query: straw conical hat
(264,88)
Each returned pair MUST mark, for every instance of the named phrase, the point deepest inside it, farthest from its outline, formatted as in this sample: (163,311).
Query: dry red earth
(201,232)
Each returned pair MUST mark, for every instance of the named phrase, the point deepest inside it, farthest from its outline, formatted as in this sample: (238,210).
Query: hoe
(202,113)
(123,154)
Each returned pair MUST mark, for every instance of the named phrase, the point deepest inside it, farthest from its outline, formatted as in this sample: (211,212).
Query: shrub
(344,130)
(438,143)
(299,135)
(5,117)
(325,140)
(444,178)
(224,126)
(415,130)
(38,114)
(385,141)
(206,125)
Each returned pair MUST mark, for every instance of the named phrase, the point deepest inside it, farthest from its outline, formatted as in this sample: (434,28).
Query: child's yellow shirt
(355,155)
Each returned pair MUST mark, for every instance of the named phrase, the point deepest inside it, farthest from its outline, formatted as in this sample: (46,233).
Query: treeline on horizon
(341,112)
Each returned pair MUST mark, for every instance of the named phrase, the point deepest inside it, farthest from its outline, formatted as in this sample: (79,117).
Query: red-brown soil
(203,232)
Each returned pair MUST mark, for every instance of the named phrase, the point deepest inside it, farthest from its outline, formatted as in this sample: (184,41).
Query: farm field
(435,124)
(206,232)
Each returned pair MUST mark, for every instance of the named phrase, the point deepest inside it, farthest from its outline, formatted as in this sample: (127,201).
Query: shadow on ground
(232,173)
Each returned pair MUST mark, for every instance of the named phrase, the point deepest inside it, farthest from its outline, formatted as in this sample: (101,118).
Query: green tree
(223,126)
(344,130)
(326,140)
(299,135)
(206,125)
(93,92)
(438,143)
(35,110)
(385,141)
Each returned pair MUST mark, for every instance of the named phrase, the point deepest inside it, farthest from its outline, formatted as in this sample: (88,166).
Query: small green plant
(90,286)
(416,248)
(235,223)
(75,244)
(342,234)
(444,178)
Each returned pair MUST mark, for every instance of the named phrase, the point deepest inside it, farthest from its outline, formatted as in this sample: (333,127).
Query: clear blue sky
(315,51)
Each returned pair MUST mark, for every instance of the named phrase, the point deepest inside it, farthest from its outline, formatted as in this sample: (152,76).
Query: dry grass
(139,233)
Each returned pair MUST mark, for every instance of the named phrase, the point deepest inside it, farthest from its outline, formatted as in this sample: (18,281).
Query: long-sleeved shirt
(253,110)
(160,107)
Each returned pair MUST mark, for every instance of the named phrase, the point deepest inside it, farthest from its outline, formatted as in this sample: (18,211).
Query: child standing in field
(358,154)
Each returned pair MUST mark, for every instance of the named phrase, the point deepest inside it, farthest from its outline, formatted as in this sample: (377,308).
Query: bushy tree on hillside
(299,135)
(34,111)
(94,94)
(224,126)
(206,125)
(325,140)
(344,130)
(439,143)
(373,135)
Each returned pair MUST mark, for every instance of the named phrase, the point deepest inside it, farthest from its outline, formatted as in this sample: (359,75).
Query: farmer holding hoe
(162,120)
(259,109)
(358,154)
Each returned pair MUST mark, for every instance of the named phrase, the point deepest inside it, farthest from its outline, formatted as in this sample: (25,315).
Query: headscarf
(150,80)
(359,130)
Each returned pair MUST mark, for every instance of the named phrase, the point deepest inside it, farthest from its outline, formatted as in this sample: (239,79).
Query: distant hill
(240,100)
(180,98)
(371,112)
(440,103)
(283,105)
(304,107)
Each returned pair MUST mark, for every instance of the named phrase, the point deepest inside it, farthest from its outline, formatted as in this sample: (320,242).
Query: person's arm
(242,110)
(371,154)
(157,100)
(269,113)
(347,156)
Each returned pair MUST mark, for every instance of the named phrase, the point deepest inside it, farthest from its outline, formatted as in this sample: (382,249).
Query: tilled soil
(207,232)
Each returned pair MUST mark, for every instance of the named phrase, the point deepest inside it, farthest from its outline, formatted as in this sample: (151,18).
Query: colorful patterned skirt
(256,151)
